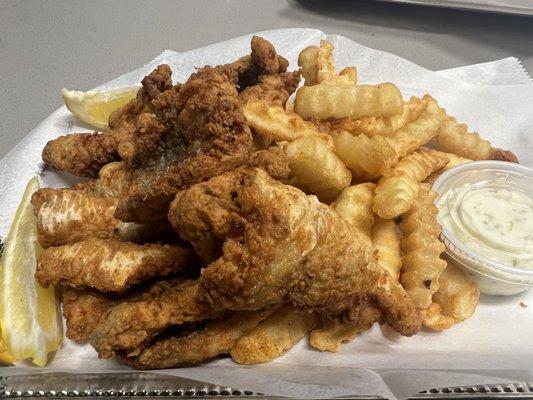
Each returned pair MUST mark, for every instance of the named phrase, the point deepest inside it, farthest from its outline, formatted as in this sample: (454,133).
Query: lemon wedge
(94,107)
(29,317)
(5,357)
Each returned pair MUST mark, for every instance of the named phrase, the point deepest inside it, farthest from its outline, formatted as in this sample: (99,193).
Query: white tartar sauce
(492,220)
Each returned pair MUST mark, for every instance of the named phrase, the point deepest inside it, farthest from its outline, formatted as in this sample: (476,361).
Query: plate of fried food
(259,212)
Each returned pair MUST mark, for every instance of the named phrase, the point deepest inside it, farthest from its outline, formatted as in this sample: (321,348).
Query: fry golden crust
(354,204)
(110,265)
(331,335)
(273,123)
(457,295)
(316,168)
(397,191)
(354,101)
(274,336)
(372,126)
(376,156)
(422,248)
(387,247)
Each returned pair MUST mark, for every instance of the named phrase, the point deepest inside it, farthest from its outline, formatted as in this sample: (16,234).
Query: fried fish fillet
(217,337)
(208,136)
(83,154)
(268,242)
(83,312)
(69,216)
(110,265)
(130,325)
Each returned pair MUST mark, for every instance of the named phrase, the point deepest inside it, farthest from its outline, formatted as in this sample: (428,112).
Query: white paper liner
(494,98)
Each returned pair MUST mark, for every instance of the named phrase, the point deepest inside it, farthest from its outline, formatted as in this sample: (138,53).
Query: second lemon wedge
(94,107)
(29,318)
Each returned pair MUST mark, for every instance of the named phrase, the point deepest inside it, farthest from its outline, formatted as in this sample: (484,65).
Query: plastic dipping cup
(492,276)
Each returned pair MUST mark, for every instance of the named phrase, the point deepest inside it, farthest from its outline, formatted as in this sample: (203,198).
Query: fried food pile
(223,218)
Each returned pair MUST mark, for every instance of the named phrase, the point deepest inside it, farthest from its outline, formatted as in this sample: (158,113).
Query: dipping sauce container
(486,214)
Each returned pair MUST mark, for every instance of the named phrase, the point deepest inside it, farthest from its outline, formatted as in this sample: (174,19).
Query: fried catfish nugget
(114,180)
(263,60)
(268,243)
(83,154)
(274,89)
(110,265)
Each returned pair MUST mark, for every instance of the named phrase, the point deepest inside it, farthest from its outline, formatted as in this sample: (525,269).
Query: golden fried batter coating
(84,311)
(207,137)
(110,265)
(269,243)
(218,337)
(275,89)
(132,324)
(68,216)
(83,154)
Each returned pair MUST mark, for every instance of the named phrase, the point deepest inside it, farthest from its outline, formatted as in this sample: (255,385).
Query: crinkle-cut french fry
(435,320)
(421,163)
(396,192)
(355,101)
(375,156)
(318,66)
(354,204)
(325,63)
(372,126)
(457,295)
(273,123)
(317,63)
(454,160)
(347,75)
(316,168)
(331,335)
(422,248)
(387,246)
(394,195)
(414,135)
(274,336)
(308,63)
(454,137)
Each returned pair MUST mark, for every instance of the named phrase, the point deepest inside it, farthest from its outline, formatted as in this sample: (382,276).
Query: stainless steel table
(47,45)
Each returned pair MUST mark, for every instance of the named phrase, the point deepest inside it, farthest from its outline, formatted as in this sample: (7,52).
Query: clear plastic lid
(479,250)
